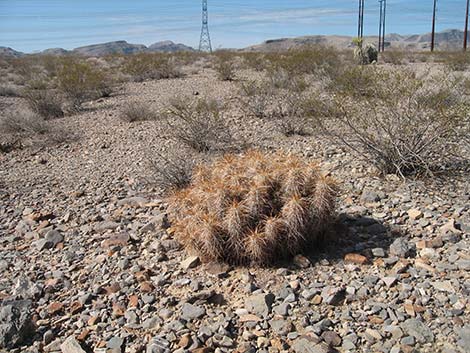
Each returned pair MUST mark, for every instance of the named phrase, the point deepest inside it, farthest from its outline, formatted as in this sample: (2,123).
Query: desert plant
(136,111)
(7,90)
(357,81)
(151,66)
(364,54)
(46,103)
(408,127)
(294,125)
(199,124)
(22,122)
(255,61)
(225,66)
(255,98)
(252,208)
(395,57)
(80,82)
(172,169)
(456,61)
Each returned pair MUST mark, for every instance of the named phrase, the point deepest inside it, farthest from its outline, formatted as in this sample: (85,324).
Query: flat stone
(331,338)
(369,196)
(378,252)
(281,327)
(190,262)
(400,247)
(71,345)
(417,329)
(443,286)
(190,312)
(355,259)
(464,338)
(260,304)
(133,202)
(120,239)
(16,325)
(389,281)
(307,344)
(333,295)
(415,214)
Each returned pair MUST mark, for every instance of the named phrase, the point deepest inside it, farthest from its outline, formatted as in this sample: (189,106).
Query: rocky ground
(88,261)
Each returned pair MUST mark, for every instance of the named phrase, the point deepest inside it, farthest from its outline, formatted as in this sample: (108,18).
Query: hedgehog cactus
(253,208)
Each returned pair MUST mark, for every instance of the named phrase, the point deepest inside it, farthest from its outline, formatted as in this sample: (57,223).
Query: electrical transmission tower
(360,24)
(205,41)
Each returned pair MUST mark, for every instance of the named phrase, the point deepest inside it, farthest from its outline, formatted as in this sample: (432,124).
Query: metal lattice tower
(205,41)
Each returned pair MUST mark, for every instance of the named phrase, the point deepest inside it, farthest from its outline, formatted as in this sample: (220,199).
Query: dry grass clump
(408,125)
(199,124)
(253,208)
(456,61)
(8,90)
(151,66)
(137,111)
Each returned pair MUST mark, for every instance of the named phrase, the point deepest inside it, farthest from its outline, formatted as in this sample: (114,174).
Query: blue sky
(32,25)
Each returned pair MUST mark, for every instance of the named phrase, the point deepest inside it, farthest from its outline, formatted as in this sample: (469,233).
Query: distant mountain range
(118,47)
(451,39)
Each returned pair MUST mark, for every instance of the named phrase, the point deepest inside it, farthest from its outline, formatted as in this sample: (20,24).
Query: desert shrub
(172,169)
(408,127)
(225,66)
(456,61)
(46,103)
(294,125)
(256,98)
(136,111)
(314,59)
(255,61)
(199,124)
(357,81)
(395,57)
(7,90)
(22,122)
(252,208)
(80,82)
(151,66)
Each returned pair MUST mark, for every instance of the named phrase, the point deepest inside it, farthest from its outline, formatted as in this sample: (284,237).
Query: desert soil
(86,245)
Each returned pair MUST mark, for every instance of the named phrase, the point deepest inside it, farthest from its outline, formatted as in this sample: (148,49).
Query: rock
(464,338)
(301,261)
(190,262)
(417,329)
(463,264)
(158,345)
(260,304)
(415,214)
(450,227)
(400,247)
(120,239)
(133,202)
(281,327)
(71,345)
(25,289)
(355,259)
(333,295)
(408,341)
(331,338)
(115,345)
(378,252)
(16,325)
(307,344)
(444,286)
(190,312)
(52,238)
(369,196)
(389,281)
(106,225)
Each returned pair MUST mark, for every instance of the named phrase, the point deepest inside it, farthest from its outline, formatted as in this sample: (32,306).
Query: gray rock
(281,327)
(307,344)
(16,326)
(115,344)
(463,264)
(418,330)
(52,238)
(26,289)
(71,345)
(378,252)
(190,262)
(333,295)
(158,345)
(464,338)
(400,247)
(408,341)
(260,304)
(369,196)
(282,309)
(190,312)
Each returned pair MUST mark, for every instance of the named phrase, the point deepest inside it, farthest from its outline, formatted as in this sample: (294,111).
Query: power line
(205,41)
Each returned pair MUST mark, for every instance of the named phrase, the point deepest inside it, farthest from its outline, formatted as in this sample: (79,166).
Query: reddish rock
(120,239)
(355,259)
(133,301)
(76,307)
(55,308)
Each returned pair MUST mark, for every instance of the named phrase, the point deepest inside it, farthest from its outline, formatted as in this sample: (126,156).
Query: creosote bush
(22,122)
(407,125)
(44,102)
(225,66)
(199,124)
(151,66)
(252,208)
(80,82)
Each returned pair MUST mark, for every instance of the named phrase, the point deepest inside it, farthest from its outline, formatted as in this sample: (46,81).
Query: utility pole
(466,28)
(380,25)
(205,41)
(360,24)
(383,25)
(433,34)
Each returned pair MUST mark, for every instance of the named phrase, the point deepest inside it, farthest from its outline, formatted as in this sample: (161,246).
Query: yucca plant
(252,208)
